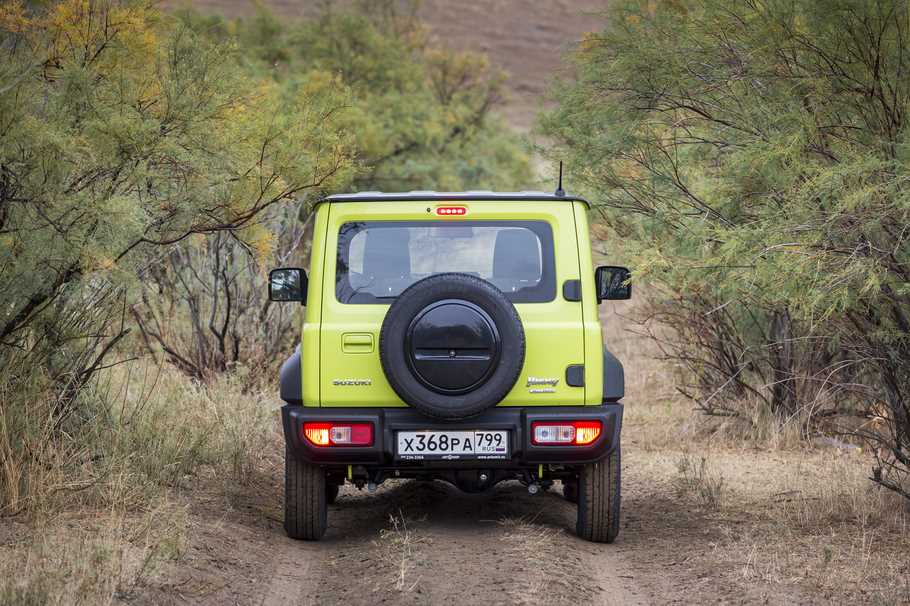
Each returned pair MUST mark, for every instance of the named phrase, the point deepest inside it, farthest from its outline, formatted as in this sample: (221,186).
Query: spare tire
(452,345)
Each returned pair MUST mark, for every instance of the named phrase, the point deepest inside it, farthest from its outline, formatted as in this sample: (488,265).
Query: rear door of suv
(373,250)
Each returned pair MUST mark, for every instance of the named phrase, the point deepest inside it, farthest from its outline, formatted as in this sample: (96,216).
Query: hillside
(525,38)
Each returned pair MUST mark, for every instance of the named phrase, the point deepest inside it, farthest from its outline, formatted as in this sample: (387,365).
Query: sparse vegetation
(697,478)
(400,545)
(97,503)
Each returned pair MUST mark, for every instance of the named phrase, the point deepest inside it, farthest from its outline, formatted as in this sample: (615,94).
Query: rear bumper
(517,421)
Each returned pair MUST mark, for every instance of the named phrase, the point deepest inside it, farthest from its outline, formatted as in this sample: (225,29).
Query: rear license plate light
(565,433)
(338,434)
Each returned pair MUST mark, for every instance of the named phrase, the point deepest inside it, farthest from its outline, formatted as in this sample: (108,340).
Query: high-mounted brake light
(569,433)
(339,434)
(448,211)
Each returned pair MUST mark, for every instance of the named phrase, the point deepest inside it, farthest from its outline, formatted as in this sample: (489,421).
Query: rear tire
(599,497)
(305,499)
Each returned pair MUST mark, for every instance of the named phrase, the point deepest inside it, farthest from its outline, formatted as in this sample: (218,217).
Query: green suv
(452,336)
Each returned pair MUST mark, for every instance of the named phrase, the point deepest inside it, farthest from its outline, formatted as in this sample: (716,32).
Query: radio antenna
(560,192)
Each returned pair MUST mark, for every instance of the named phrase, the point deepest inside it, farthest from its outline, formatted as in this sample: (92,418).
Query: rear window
(379,259)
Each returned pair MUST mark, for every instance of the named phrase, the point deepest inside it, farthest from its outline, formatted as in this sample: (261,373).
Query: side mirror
(288,284)
(613,283)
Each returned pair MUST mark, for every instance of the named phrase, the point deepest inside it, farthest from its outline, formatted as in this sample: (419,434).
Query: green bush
(753,159)
(418,117)
(122,133)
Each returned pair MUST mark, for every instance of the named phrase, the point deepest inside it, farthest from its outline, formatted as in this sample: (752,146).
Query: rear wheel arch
(614,378)
(291,379)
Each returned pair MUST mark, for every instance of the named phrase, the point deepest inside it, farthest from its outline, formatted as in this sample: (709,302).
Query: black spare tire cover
(452,345)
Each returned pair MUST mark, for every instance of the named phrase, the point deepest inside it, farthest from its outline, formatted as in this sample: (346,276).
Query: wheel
(570,490)
(452,345)
(305,499)
(331,492)
(599,496)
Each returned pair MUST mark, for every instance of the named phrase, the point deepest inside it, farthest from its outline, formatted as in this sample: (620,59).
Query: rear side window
(379,259)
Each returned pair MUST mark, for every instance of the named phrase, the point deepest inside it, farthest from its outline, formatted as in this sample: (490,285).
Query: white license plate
(452,445)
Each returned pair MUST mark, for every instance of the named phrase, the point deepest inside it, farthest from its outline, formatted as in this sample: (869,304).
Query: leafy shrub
(418,117)
(122,133)
(753,159)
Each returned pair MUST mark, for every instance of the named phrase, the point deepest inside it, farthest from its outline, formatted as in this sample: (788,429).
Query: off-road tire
(305,499)
(394,332)
(599,496)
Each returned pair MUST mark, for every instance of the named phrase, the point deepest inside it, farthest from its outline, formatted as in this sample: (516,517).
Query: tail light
(339,434)
(568,433)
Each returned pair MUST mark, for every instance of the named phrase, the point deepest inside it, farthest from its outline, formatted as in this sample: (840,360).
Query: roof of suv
(453,196)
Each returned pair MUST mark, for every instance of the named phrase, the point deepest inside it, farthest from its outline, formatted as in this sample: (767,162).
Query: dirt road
(427,543)
(407,543)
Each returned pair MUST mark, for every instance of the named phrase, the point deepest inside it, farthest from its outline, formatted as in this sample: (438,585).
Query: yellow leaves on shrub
(85,32)
(652,261)
(589,41)
(653,7)
(93,258)
(676,6)
(261,241)
(321,81)
(13,17)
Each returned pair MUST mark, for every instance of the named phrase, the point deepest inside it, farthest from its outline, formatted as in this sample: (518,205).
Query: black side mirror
(613,283)
(288,284)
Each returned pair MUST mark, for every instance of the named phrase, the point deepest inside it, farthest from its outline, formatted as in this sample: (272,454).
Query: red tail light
(339,434)
(451,211)
(567,433)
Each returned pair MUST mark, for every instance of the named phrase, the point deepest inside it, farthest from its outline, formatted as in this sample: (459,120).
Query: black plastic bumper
(517,421)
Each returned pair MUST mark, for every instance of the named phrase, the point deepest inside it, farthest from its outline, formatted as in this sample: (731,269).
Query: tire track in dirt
(428,543)
(292,581)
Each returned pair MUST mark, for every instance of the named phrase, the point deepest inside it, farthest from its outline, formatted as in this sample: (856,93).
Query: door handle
(357,342)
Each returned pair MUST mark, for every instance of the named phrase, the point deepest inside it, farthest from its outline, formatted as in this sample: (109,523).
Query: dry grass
(94,504)
(697,478)
(821,516)
(399,545)
(790,515)
(790,512)
(82,559)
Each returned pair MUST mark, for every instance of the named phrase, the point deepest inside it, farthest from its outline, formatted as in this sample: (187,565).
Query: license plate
(453,445)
